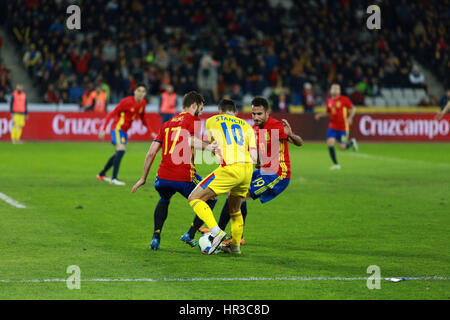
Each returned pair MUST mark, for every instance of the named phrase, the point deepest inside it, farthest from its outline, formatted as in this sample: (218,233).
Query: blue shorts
(118,136)
(265,186)
(340,136)
(167,188)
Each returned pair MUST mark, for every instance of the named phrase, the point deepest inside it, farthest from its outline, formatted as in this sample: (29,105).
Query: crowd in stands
(229,47)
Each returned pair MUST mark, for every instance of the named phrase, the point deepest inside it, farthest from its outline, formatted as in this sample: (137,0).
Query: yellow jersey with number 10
(234,137)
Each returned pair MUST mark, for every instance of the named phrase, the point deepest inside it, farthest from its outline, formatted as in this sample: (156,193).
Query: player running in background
(340,122)
(177,138)
(19,111)
(124,114)
(236,150)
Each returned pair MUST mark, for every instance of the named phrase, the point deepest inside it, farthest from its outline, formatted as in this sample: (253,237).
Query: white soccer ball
(204,243)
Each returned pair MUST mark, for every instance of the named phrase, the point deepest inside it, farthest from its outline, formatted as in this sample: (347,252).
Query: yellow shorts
(234,178)
(19,119)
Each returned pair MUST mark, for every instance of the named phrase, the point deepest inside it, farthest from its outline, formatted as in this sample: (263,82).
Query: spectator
(52,95)
(309,99)
(357,97)
(207,77)
(162,59)
(236,96)
(374,89)
(280,100)
(428,101)
(98,100)
(116,83)
(81,61)
(86,102)
(62,84)
(109,51)
(416,78)
(31,57)
(2,97)
(75,92)
(168,104)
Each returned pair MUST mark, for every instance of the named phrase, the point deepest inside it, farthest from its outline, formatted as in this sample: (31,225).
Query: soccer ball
(204,243)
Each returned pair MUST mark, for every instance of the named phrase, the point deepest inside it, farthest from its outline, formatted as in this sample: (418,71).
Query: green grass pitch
(388,206)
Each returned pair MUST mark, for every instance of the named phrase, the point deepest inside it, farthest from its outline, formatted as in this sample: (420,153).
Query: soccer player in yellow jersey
(236,150)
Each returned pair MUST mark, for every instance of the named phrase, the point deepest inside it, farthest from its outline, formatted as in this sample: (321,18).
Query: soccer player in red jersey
(124,113)
(177,138)
(338,107)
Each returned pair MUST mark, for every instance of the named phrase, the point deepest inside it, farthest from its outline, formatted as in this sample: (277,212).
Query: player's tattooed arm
(254,156)
(292,138)
(350,117)
(199,144)
(317,116)
(151,154)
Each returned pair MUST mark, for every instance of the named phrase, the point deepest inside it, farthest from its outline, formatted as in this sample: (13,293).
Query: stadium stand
(233,47)
(5,83)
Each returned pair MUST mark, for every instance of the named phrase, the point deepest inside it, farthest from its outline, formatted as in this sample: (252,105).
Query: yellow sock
(18,133)
(14,133)
(204,212)
(237,228)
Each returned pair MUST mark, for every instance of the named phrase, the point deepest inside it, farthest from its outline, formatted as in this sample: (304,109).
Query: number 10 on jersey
(235,129)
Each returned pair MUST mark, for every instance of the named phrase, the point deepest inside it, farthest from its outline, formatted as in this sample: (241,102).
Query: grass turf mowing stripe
(227,279)
(11,201)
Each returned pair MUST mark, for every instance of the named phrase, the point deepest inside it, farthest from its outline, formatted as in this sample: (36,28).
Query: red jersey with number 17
(272,138)
(338,110)
(177,162)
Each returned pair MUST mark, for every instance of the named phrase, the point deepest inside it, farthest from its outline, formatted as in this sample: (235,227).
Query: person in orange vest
(98,100)
(19,112)
(168,104)
(85,101)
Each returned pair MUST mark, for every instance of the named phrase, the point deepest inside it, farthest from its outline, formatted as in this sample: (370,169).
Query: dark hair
(192,97)
(260,102)
(140,84)
(227,105)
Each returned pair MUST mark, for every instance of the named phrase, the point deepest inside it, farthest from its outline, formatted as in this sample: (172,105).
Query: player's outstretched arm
(320,115)
(441,114)
(199,144)
(254,156)
(351,116)
(151,154)
(114,113)
(292,138)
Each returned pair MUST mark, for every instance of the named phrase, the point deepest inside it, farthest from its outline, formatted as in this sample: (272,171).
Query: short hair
(227,105)
(192,97)
(140,84)
(261,102)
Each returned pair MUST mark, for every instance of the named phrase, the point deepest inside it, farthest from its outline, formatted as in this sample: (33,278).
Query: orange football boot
(204,229)
(228,242)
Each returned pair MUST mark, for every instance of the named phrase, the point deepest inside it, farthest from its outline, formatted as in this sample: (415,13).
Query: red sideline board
(83,126)
(73,126)
(401,127)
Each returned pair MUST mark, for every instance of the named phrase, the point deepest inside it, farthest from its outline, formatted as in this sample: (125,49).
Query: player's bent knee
(165,201)
(121,147)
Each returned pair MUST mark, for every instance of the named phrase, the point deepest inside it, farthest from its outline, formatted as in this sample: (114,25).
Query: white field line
(382,158)
(11,201)
(221,279)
